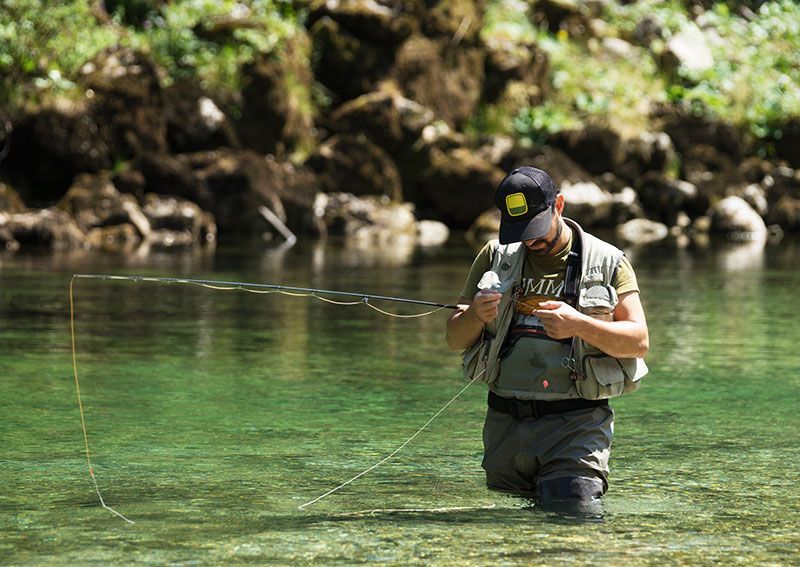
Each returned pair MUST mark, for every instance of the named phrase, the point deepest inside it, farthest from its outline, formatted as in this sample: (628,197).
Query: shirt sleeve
(625,278)
(476,271)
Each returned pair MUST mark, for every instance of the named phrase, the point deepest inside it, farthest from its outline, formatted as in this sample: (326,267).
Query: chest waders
(591,266)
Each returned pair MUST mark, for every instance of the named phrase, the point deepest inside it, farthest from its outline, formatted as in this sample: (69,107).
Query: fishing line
(393,453)
(249,288)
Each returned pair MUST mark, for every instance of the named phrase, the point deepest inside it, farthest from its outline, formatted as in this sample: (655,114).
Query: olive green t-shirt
(542,280)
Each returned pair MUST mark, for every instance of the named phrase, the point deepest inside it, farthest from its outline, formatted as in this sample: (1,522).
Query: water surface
(213,414)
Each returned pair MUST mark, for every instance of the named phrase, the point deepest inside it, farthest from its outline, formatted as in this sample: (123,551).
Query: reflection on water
(213,414)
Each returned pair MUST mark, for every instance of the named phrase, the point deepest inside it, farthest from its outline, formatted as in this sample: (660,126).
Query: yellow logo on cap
(516,204)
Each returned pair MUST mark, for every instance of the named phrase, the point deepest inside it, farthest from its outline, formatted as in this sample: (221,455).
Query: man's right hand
(485,306)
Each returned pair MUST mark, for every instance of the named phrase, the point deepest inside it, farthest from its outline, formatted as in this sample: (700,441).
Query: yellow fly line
(248,288)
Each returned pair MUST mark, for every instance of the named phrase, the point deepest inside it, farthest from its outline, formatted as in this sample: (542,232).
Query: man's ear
(560,202)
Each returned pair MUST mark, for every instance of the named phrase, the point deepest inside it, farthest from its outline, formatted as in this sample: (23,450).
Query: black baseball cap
(526,198)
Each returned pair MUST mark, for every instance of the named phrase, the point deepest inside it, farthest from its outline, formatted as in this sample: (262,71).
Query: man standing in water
(555,331)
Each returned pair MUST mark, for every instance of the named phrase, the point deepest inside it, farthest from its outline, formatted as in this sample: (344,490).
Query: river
(212,415)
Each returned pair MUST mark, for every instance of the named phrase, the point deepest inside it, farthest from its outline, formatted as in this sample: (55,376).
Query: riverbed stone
(173,218)
(735,217)
(663,198)
(51,228)
(642,231)
(118,238)
(94,202)
(366,218)
(10,201)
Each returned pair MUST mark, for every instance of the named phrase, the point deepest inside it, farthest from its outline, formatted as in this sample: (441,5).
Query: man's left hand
(560,320)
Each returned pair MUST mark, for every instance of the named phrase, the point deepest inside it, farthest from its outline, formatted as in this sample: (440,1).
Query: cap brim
(536,227)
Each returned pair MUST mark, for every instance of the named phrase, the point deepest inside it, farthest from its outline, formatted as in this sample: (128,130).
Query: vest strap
(571,277)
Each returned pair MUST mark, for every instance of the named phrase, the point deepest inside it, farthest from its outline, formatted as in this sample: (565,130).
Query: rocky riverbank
(139,159)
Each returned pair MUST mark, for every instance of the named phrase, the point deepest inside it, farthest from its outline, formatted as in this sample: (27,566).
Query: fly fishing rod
(320,294)
(364,297)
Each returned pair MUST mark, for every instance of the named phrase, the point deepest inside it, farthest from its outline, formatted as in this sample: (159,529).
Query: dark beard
(550,243)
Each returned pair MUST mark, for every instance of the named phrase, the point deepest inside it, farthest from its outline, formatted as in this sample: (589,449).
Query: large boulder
(783,197)
(687,130)
(355,165)
(127,101)
(556,15)
(456,187)
(649,151)
(277,113)
(381,22)
(165,174)
(714,173)
(62,139)
(177,221)
(370,219)
(597,149)
(588,204)
(734,217)
(387,118)
(346,65)
(446,80)
(237,182)
(642,231)
(787,145)
(664,198)
(194,121)
(51,228)
(508,61)
(94,202)
(687,52)
(10,201)
(460,21)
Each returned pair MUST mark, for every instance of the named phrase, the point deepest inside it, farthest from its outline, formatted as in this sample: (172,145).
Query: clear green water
(213,415)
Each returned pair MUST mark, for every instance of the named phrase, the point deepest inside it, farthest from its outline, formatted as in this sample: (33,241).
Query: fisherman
(550,318)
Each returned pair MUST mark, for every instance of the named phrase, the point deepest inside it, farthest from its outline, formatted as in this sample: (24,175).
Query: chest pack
(591,266)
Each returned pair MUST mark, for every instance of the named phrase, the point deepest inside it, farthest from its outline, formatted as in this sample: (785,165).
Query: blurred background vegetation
(753,82)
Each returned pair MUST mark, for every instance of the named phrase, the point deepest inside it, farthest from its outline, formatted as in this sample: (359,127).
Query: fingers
(485,306)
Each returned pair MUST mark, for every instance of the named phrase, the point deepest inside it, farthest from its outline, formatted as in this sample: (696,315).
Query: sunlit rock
(432,233)
(642,231)
(588,204)
(735,217)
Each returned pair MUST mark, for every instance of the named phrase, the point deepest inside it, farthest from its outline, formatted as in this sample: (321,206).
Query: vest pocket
(603,376)
(474,361)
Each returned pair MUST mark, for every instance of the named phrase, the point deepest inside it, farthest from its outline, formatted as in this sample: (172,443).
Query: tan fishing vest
(595,374)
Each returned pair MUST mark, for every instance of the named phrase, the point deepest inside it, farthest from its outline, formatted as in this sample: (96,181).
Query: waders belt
(520,409)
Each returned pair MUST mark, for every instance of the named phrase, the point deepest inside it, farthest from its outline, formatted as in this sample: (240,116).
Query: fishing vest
(594,374)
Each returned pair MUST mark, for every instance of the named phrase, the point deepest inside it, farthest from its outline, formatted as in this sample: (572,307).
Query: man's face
(545,245)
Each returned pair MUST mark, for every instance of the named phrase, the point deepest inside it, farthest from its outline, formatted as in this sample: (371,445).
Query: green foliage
(754,82)
(44,44)
(213,39)
(537,124)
